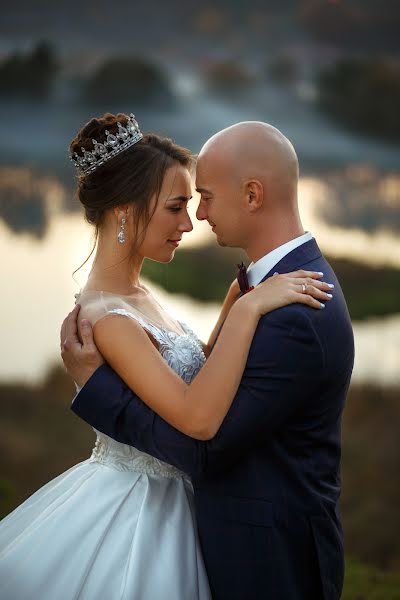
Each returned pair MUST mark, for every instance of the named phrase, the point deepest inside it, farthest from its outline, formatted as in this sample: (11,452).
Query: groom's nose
(201,212)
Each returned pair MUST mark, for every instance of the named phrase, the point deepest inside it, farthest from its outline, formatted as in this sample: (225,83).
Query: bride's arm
(230,299)
(197,409)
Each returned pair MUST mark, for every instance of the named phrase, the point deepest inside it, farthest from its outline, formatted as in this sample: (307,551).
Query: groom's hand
(80,359)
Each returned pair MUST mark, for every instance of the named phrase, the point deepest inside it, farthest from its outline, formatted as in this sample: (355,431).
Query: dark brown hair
(132,177)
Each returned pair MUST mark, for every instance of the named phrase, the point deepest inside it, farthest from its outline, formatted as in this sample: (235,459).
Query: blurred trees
(215,270)
(29,75)
(363,94)
(128,81)
(24,214)
(209,281)
(209,19)
(368,291)
(118,80)
(40,436)
(23,204)
(370,468)
(360,24)
(362,582)
(284,69)
(228,78)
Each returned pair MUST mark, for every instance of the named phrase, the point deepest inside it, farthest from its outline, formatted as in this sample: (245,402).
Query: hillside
(40,437)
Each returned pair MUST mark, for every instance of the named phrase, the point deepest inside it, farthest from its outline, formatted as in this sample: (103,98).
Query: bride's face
(170,219)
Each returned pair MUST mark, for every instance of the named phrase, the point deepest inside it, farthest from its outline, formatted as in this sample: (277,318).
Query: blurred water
(354,211)
(38,292)
(349,199)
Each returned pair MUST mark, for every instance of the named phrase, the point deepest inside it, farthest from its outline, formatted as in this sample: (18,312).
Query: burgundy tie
(242,279)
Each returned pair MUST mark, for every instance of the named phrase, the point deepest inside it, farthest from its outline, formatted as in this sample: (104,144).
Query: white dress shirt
(257,271)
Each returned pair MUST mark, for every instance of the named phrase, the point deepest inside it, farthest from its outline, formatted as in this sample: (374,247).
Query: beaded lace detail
(126,458)
(184,354)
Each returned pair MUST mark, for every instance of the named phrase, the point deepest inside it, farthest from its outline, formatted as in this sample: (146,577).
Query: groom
(267,485)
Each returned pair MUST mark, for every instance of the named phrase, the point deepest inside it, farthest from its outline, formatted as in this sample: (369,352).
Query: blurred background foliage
(327,73)
(29,75)
(214,271)
(363,94)
(132,80)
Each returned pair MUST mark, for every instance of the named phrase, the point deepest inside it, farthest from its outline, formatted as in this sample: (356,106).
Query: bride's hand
(302,287)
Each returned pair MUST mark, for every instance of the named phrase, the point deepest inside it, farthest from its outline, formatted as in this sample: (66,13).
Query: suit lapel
(296,259)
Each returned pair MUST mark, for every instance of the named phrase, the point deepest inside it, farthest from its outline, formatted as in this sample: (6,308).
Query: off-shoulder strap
(96,305)
(152,329)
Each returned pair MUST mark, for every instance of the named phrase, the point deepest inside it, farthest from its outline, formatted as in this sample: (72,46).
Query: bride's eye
(176,209)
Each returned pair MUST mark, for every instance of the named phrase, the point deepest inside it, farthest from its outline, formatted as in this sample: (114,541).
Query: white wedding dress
(118,526)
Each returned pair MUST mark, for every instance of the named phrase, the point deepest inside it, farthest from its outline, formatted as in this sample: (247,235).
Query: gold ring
(304,287)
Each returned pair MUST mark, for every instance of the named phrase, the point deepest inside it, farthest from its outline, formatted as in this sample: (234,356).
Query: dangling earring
(121,234)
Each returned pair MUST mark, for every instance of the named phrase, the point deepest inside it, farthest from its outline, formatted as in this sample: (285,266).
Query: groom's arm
(283,360)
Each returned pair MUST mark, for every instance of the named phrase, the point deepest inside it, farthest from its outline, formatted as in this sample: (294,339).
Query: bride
(121,524)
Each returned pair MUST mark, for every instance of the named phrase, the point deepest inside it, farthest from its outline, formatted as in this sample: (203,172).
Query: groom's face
(220,200)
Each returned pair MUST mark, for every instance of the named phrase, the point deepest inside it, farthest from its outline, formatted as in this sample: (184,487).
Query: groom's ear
(254,192)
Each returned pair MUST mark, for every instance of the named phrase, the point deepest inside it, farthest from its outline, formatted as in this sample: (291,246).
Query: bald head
(256,150)
(247,177)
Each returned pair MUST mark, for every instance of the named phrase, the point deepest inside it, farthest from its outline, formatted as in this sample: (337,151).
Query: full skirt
(99,532)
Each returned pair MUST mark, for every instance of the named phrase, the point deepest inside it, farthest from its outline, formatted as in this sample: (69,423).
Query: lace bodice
(184,354)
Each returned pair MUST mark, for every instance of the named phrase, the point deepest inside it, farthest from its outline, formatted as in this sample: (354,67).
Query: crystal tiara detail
(125,137)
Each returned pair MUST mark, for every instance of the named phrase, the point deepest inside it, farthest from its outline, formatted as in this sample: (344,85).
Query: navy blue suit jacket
(267,485)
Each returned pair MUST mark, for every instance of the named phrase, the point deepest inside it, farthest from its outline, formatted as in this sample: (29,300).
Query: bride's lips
(174,242)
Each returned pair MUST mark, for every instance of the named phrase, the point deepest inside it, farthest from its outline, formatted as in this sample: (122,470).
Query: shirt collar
(256,271)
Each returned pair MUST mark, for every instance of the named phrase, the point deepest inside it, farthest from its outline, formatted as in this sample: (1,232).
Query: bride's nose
(186,224)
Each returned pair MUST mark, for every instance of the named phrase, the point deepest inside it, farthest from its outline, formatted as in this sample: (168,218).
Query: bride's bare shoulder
(92,306)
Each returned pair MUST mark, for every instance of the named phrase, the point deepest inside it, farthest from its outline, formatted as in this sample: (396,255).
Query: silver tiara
(125,137)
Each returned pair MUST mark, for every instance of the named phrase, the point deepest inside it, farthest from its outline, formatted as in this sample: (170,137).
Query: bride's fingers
(321,285)
(314,291)
(304,274)
(309,300)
